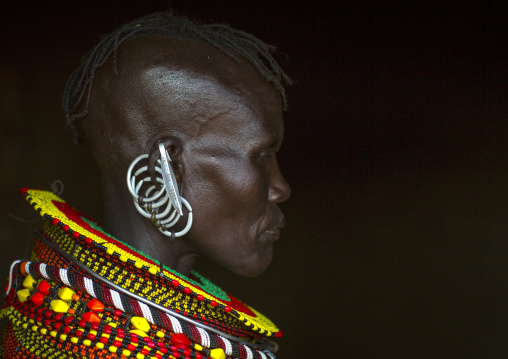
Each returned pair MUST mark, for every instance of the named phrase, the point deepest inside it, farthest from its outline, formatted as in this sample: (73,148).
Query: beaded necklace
(84,293)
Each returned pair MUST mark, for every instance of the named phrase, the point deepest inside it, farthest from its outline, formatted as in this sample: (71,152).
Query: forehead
(201,101)
(195,86)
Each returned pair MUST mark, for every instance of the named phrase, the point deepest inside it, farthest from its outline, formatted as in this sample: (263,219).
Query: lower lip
(272,234)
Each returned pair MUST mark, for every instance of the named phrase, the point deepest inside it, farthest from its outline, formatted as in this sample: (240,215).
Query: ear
(173,146)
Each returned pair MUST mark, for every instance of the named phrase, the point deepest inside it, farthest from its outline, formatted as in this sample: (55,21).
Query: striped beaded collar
(74,252)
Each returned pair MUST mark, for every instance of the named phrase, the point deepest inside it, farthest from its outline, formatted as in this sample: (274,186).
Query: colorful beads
(66,294)
(79,322)
(29,282)
(91,317)
(59,306)
(23,294)
(44,287)
(180,339)
(22,268)
(140,323)
(217,354)
(138,332)
(95,305)
(37,299)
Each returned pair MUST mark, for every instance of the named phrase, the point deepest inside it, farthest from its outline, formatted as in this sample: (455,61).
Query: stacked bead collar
(85,291)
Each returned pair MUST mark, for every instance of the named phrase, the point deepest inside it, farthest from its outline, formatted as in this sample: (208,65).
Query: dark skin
(221,123)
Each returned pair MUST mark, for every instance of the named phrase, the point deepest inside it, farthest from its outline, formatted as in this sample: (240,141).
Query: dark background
(396,239)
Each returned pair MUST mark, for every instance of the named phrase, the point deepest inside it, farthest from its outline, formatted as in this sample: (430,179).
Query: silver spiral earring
(164,206)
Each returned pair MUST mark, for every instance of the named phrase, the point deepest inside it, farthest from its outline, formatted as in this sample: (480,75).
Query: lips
(276,224)
(280,224)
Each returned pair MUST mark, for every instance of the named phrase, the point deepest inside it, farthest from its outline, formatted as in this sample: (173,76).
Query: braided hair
(234,43)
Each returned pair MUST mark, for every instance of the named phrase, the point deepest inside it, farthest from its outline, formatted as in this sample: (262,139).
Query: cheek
(230,205)
(230,184)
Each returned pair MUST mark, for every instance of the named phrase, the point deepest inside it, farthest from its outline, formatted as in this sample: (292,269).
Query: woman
(184,121)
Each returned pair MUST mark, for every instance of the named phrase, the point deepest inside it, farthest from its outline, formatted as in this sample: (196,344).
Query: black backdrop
(395,244)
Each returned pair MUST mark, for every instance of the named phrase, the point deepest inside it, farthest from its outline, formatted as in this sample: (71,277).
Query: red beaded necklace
(59,307)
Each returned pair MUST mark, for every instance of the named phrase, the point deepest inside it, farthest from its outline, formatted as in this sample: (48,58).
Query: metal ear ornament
(169,180)
(163,206)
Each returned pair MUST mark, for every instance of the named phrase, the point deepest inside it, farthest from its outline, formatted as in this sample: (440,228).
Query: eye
(265,155)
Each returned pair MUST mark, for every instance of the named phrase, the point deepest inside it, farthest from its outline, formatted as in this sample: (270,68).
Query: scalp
(233,43)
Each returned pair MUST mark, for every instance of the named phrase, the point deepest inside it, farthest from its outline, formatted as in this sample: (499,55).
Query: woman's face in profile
(232,178)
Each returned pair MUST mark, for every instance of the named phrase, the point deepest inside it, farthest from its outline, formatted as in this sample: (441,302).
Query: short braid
(234,43)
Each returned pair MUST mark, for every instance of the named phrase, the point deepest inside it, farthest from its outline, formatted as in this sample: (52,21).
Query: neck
(122,220)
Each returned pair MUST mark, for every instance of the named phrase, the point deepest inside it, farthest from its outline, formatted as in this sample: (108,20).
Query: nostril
(280,191)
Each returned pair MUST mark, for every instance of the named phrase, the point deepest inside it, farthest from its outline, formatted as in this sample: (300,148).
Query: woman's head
(221,122)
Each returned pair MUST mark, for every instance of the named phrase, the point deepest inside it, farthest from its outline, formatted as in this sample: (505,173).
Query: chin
(254,266)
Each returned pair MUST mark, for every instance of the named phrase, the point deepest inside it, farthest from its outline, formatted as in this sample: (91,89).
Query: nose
(279,190)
